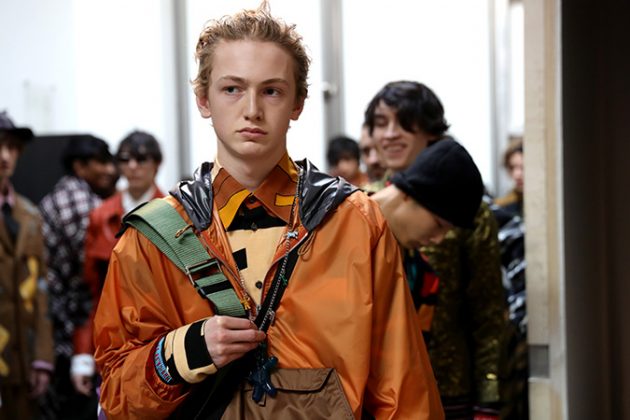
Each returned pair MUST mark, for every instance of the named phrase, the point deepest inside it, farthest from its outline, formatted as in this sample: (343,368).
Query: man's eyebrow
(244,81)
(232,78)
(275,80)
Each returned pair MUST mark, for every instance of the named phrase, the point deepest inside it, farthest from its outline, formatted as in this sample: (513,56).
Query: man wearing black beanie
(440,190)
(451,252)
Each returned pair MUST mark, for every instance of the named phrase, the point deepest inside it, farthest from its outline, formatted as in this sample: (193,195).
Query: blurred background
(109,67)
(555,72)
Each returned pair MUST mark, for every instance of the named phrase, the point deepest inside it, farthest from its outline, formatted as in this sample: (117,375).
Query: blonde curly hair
(255,25)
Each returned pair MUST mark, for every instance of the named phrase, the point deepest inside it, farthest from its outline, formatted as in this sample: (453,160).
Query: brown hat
(445,180)
(6,126)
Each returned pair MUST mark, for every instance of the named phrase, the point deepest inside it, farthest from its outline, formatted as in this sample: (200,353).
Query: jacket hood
(321,194)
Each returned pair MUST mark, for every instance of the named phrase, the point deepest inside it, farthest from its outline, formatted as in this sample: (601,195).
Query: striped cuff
(160,364)
(182,355)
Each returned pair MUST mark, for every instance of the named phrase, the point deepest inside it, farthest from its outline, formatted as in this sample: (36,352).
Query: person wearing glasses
(138,159)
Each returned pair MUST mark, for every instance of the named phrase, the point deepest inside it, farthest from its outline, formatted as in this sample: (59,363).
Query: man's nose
(4,151)
(253,110)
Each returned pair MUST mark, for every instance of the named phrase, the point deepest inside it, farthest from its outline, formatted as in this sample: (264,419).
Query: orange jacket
(100,239)
(347,307)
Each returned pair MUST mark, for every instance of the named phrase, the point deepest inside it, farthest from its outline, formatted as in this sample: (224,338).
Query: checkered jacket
(65,212)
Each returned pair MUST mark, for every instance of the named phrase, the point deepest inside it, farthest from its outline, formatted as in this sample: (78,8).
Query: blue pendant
(260,377)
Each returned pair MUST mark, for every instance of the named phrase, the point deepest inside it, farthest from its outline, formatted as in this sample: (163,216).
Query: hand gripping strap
(160,223)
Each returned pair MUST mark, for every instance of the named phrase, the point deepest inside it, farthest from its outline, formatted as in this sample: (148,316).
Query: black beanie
(445,180)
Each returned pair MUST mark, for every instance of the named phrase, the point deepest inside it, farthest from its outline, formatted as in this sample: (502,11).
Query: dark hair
(140,143)
(342,147)
(84,148)
(417,107)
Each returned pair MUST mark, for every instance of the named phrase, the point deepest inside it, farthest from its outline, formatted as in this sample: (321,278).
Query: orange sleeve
(404,385)
(135,310)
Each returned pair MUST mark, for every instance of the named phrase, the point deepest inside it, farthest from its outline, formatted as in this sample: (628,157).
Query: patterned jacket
(464,340)
(65,211)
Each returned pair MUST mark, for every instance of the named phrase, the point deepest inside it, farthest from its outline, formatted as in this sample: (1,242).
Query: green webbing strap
(160,223)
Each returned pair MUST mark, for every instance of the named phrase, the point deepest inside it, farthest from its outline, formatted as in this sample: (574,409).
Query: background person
(456,285)
(138,158)
(513,163)
(90,175)
(344,160)
(26,353)
(369,155)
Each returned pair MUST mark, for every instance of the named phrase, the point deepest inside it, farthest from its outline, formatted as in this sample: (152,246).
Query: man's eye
(231,89)
(380,122)
(271,92)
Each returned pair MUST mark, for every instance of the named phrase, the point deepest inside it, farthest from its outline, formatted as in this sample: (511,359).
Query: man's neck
(4,185)
(248,174)
(388,199)
(137,194)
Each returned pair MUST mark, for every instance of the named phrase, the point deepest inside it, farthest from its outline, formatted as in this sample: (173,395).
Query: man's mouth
(252,130)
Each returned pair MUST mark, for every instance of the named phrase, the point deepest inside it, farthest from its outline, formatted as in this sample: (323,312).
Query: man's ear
(78,167)
(297,110)
(203,104)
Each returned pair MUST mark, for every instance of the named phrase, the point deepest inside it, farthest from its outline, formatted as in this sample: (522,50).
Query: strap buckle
(191,269)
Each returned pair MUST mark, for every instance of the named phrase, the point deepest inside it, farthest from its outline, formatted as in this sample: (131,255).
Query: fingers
(222,355)
(232,323)
(228,338)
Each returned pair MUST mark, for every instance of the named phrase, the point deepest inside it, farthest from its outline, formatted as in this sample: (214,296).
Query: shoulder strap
(160,223)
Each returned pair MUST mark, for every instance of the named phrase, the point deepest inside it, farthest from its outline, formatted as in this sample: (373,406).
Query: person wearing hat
(456,284)
(90,177)
(138,158)
(26,356)
(440,190)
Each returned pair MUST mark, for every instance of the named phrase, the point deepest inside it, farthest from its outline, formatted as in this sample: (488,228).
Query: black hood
(321,194)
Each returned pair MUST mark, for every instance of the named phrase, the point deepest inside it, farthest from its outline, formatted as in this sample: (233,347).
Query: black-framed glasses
(126,157)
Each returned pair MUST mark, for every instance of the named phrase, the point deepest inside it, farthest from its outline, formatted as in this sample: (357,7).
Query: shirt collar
(8,196)
(276,192)
(129,203)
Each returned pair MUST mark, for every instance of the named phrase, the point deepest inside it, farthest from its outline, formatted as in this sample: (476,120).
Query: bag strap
(161,224)
(210,398)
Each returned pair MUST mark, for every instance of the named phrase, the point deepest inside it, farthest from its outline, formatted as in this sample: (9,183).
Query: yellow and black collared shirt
(254,220)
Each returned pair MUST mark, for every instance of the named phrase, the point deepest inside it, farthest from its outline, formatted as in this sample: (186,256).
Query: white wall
(79,66)
(443,44)
(36,46)
(108,67)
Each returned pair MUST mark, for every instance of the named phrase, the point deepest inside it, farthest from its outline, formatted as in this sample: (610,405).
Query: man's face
(370,156)
(397,147)
(415,226)
(139,170)
(9,152)
(251,100)
(516,170)
(99,175)
(347,167)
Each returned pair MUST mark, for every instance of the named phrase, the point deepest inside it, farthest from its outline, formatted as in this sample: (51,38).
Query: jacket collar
(321,194)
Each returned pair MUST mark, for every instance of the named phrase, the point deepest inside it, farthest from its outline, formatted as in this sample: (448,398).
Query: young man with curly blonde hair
(300,308)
